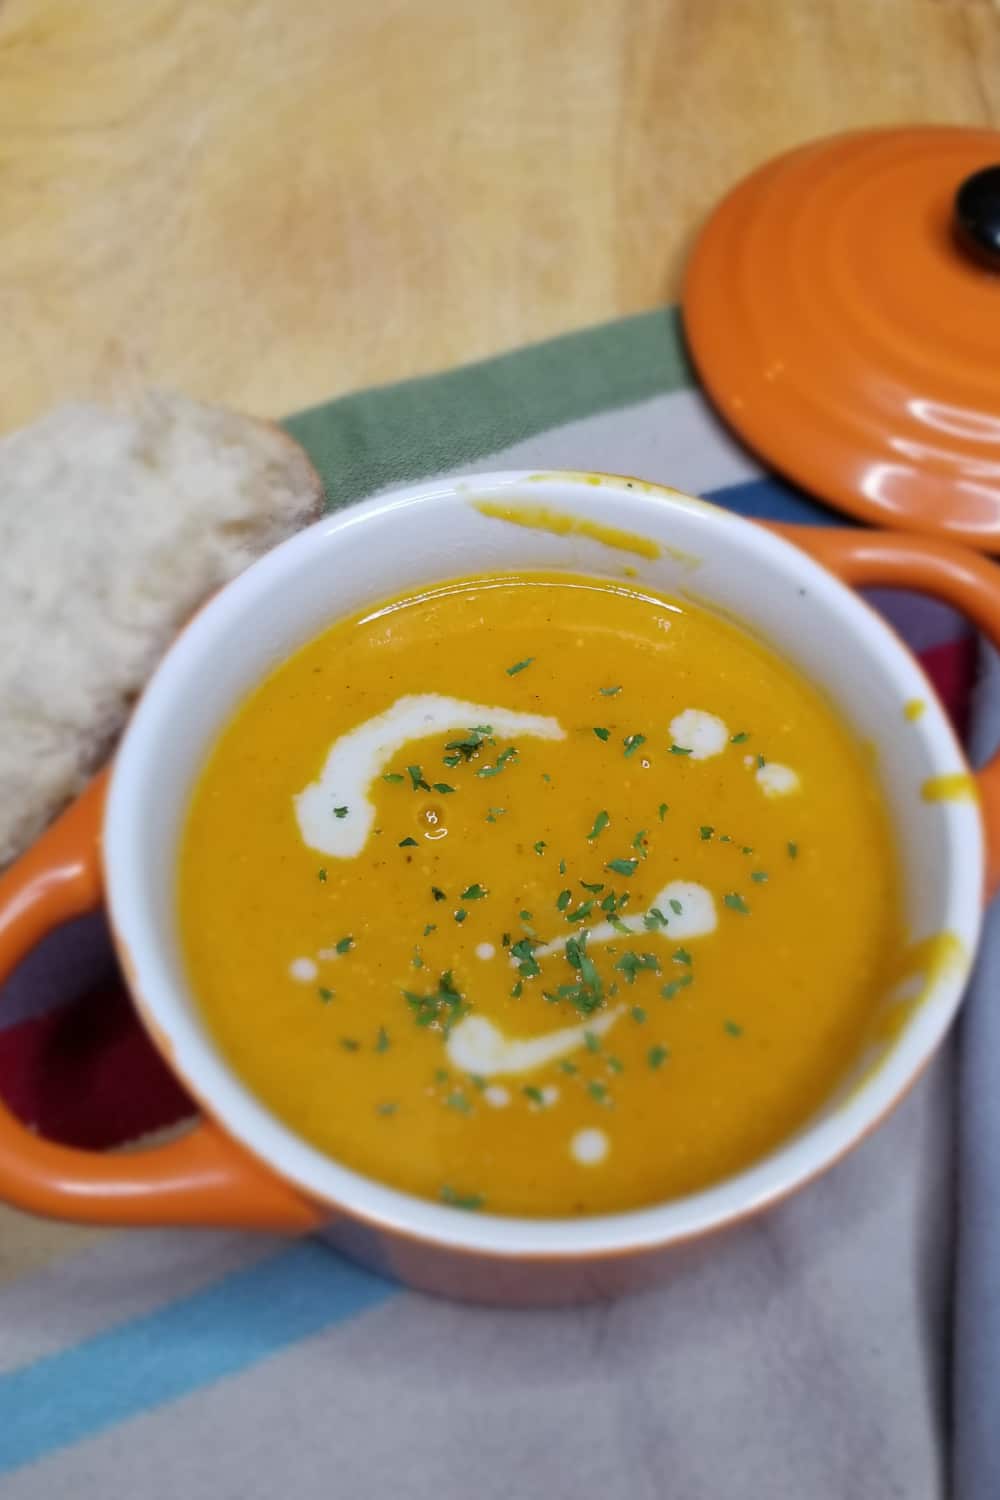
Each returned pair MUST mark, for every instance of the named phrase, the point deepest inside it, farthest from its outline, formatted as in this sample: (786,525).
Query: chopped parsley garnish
(321,875)
(706,830)
(478,1081)
(734,1028)
(416,961)
(392,776)
(524,951)
(519,666)
(602,734)
(437,893)
(654,919)
(638,1014)
(675,906)
(562,867)
(431,927)
(442,1007)
(632,743)
(680,749)
(525,916)
(656,1056)
(597,1091)
(540,846)
(440,1075)
(389,1108)
(502,759)
(517,990)
(460,915)
(681,956)
(407,844)
(443,788)
(478,735)
(761,762)
(349,1044)
(593,885)
(793,851)
(600,823)
(609,692)
(535,1094)
(760,876)
(469,1201)
(324,994)
(615,1064)
(581,912)
(662,810)
(345,944)
(631,964)
(563,900)
(340,812)
(382,1041)
(458,1102)
(493,813)
(474,892)
(592,1041)
(746,849)
(567,1067)
(451,761)
(417,782)
(639,842)
(622,866)
(738,739)
(587,992)
(619,925)
(670,990)
(735,902)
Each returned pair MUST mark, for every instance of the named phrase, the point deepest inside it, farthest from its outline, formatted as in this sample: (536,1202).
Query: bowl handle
(954,574)
(200,1178)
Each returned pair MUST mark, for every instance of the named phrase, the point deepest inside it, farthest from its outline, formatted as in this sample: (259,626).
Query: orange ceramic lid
(843,326)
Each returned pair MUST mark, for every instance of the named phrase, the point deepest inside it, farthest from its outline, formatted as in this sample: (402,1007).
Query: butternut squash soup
(539,894)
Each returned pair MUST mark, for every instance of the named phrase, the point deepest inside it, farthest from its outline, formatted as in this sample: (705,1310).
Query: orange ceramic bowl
(240,1165)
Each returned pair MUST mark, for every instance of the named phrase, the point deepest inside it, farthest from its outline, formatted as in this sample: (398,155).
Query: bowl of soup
(526,874)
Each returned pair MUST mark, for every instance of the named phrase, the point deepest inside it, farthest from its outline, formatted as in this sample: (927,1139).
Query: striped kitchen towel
(805,1354)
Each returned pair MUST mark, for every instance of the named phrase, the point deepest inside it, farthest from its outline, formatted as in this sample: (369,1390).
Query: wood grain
(271,201)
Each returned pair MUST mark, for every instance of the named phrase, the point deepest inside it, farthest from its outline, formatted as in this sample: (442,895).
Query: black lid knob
(977,216)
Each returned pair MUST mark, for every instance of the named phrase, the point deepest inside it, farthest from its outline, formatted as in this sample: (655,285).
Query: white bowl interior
(421,536)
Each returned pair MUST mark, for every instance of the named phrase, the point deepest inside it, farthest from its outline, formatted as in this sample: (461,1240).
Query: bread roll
(115,523)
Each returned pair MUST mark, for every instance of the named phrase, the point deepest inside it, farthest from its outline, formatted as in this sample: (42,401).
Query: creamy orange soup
(538,894)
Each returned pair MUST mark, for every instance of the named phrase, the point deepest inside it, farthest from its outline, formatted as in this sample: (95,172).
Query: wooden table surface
(269,202)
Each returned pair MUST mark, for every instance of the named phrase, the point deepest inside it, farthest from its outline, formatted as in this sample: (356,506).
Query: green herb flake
(388,1108)
(416,961)
(597,1091)
(592,1041)
(602,734)
(680,749)
(321,875)
(460,915)
(469,1201)
(622,866)
(451,761)
(615,1064)
(630,964)
(438,893)
(675,986)
(639,842)
(392,776)
(441,1008)
(530,1091)
(760,876)
(793,851)
(382,1043)
(324,994)
(675,906)
(345,944)
(593,885)
(459,1103)
(440,1075)
(582,912)
(540,846)
(681,956)
(417,782)
(562,867)
(349,1044)
(638,1014)
(735,902)
(567,1067)
(662,810)
(524,951)
(443,788)
(600,823)
(519,666)
(761,762)
(340,812)
(431,927)
(517,990)
(563,900)
(474,893)
(657,1056)
(739,739)
(478,1081)
(734,1028)
(493,813)
(706,830)
(610,691)
(407,844)
(526,916)
(746,849)
(654,919)
(632,743)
